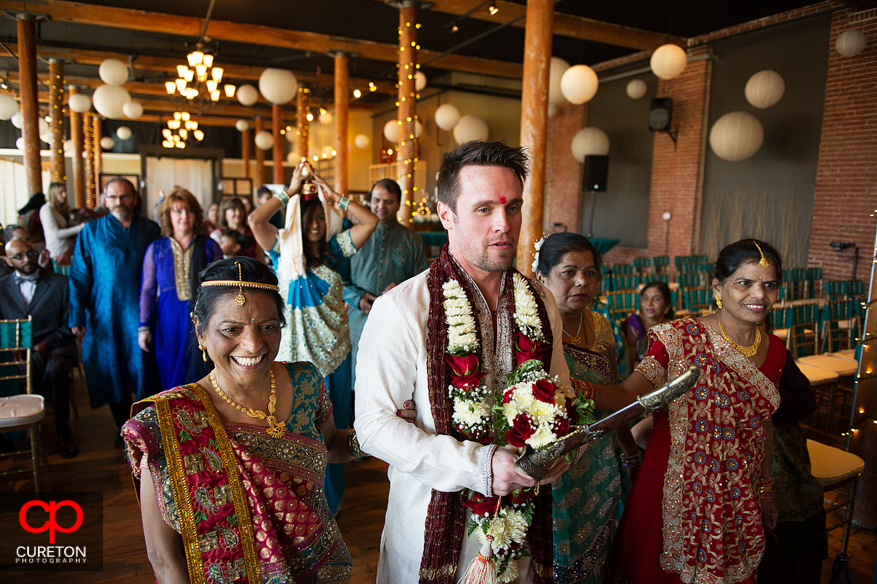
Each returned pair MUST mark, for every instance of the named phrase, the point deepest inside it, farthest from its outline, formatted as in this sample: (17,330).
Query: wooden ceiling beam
(142,20)
(568,25)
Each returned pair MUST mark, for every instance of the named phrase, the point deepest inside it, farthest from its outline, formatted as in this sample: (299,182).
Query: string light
(492,8)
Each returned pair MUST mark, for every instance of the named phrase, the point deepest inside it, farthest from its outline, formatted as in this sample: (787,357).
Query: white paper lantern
(68,146)
(113,72)
(736,136)
(133,109)
(79,102)
(668,61)
(447,116)
(579,84)
(43,126)
(264,140)
(589,141)
(636,89)
(17,120)
(362,141)
(419,82)
(552,110)
(326,118)
(292,158)
(291,136)
(8,106)
(242,125)
(278,86)
(850,43)
(247,95)
(123,132)
(19,143)
(764,89)
(109,101)
(107,143)
(470,128)
(418,128)
(555,74)
(391,131)
(46,137)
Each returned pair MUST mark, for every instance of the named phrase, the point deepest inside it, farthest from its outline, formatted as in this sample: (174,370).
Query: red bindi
(502,200)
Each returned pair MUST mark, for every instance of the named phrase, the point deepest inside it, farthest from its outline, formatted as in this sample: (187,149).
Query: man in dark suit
(31,291)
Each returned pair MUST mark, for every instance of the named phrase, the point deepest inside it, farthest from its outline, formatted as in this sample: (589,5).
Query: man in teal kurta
(104,302)
(392,254)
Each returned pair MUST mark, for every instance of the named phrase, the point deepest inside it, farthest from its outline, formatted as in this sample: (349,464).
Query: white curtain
(13,189)
(165,174)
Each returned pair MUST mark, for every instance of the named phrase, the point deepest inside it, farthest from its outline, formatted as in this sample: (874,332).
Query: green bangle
(284,198)
(342,204)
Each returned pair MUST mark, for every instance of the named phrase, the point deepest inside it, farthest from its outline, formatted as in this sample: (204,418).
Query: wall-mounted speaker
(596,173)
(660,114)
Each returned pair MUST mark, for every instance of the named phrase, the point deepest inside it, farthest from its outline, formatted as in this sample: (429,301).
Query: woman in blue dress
(311,257)
(170,279)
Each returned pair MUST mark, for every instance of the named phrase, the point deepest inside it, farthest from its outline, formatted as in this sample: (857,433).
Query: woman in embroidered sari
(169,285)
(230,469)
(311,260)
(696,510)
(586,496)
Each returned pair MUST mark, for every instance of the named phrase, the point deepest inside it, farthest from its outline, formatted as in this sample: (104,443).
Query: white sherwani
(390,370)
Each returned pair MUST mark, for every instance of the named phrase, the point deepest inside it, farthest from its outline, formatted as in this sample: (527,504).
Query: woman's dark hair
(558,245)
(231,203)
(664,291)
(227,269)
(322,256)
(733,256)
(33,204)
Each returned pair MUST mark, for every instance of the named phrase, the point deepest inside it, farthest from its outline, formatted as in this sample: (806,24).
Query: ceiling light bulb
(199,135)
(208,59)
(178,115)
(195,58)
(211,85)
(201,72)
(167,133)
(310,117)
(217,74)
(173,124)
(357,93)
(455,28)
(171,87)
(214,95)
(493,9)
(186,116)
(184,133)
(181,85)
(229,91)
(181,70)
(189,76)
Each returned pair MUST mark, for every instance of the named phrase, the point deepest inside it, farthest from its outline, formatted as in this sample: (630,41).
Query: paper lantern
(123,132)
(264,140)
(80,103)
(109,101)
(447,116)
(107,143)
(391,131)
(113,72)
(17,120)
(419,82)
(555,74)
(247,95)
(326,151)
(278,86)
(579,84)
(589,141)
(470,128)
(418,128)
(668,61)
(850,43)
(362,141)
(43,126)
(19,143)
(764,89)
(68,146)
(133,109)
(291,136)
(636,89)
(552,110)
(46,137)
(326,118)
(242,125)
(736,136)
(8,106)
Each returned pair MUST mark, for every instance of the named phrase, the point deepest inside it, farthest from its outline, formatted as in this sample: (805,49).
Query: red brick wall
(846,178)
(563,173)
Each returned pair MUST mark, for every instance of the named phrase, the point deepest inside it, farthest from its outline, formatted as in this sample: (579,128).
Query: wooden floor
(100,467)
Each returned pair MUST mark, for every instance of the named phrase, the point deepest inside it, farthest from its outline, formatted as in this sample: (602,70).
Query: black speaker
(660,114)
(596,172)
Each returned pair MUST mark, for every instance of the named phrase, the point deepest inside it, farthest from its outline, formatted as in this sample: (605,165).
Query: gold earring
(203,352)
(719,302)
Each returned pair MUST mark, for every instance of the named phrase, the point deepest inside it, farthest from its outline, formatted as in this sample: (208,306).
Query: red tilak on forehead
(502,200)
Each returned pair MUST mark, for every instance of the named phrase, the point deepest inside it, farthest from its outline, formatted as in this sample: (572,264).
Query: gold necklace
(745,351)
(275,428)
(577,338)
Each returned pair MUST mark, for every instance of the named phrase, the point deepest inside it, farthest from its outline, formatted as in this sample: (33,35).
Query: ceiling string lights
(199,77)
(179,129)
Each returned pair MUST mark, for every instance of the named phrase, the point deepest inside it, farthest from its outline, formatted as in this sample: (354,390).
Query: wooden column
(276,126)
(97,127)
(57,109)
(259,179)
(88,146)
(534,123)
(27,65)
(246,139)
(407,100)
(342,104)
(76,135)
(301,121)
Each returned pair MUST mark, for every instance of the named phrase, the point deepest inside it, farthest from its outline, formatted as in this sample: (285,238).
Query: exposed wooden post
(76,135)
(57,109)
(302,124)
(534,123)
(259,179)
(246,139)
(342,105)
(88,144)
(276,126)
(27,64)
(97,127)
(407,102)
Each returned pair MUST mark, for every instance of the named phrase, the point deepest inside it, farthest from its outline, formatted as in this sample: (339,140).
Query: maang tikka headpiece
(240,299)
(762,263)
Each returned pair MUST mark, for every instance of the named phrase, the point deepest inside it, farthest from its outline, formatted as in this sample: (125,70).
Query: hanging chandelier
(179,129)
(199,78)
